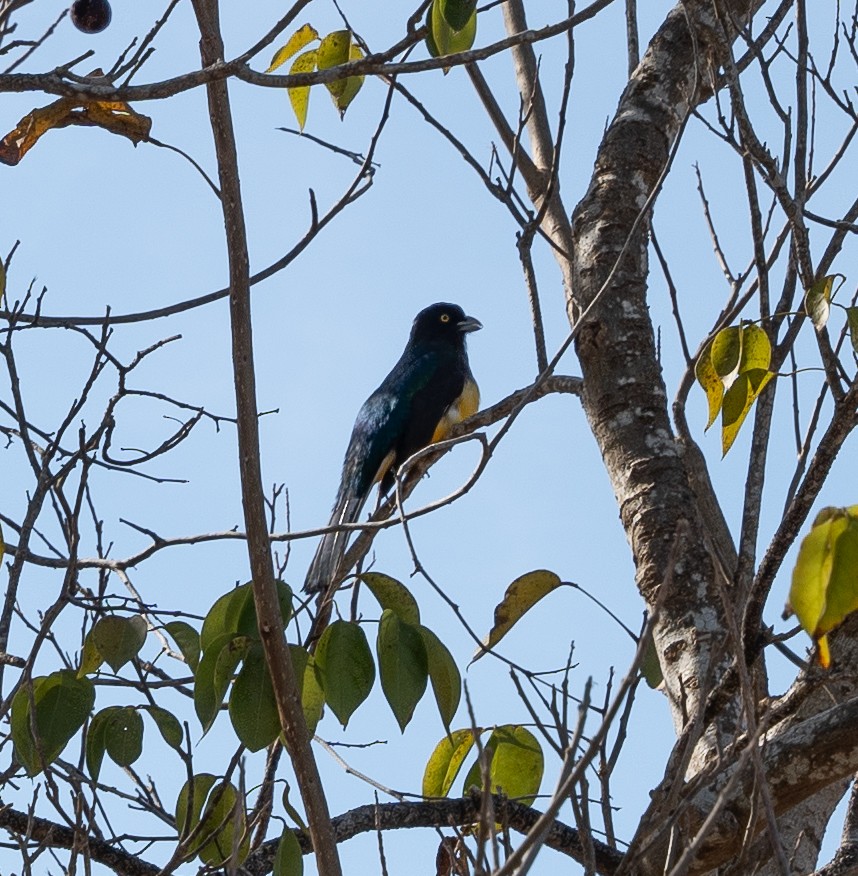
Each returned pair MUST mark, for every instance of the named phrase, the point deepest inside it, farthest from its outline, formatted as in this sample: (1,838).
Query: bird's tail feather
(332,547)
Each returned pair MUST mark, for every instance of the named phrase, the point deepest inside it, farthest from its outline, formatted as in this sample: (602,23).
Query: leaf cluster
(337,48)
(733,369)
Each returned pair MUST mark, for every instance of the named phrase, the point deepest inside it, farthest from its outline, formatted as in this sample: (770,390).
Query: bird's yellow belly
(466,405)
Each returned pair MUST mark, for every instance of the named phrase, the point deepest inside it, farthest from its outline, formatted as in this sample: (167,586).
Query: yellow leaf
(727,351)
(299,39)
(737,403)
(829,514)
(519,598)
(841,597)
(812,572)
(299,95)
(346,93)
(824,589)
(517,764)
(334,49)
(445,762)
(756,349)
(711,383)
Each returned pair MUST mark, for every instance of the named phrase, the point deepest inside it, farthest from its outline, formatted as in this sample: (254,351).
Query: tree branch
(363,819)
(446,813)
(253,496)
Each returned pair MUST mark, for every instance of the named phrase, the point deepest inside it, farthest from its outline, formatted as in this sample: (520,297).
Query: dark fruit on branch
(91,16)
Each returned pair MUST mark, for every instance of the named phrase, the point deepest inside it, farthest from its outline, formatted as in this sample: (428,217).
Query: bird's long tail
(332,547)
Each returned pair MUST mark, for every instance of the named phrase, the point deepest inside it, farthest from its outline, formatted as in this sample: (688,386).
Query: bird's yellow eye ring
(445,317)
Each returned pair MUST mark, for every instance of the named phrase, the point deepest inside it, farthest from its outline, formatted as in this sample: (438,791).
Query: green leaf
(299,95)
(394,595)
(312,695)
(650,665)
(402,665)
(304,35)
(444,675)
(289,809)
(188,640)
(123,736)
(227,661)
(727,351)
(284,597)
(288,861)
(738,401)
(190,803)
(443,39)
(711,383)
(445,762)
(431,45)
(62,703)
(817,301)
(168,725)
(22,737)
(457,13)
(232,613)
(851,321)
(96,741)
(235,613)
(90,658)
(519,598)
(252,707)
(517,763)
(215,673)
(217,808)
(119,639)
(344,667)
(474,777)
(227,829)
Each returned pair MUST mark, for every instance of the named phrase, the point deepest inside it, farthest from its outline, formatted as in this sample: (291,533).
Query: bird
(427,392)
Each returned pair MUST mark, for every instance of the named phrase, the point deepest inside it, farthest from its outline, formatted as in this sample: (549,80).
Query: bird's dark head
(443,321)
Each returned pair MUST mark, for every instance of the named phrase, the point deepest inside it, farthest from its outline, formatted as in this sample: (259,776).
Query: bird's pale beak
(469,324)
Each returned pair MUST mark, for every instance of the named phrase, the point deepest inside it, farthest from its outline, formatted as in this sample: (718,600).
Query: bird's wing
(398,419)
(370,454)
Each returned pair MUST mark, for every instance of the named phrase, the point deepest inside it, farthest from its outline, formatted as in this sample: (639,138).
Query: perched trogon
(429,390)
